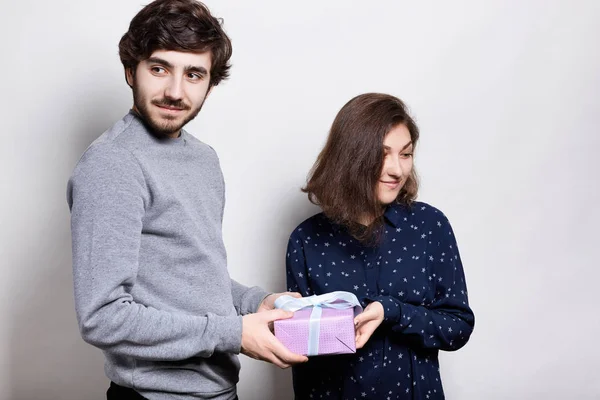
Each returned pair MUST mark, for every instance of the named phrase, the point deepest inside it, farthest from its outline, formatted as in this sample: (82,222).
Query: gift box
(321,324)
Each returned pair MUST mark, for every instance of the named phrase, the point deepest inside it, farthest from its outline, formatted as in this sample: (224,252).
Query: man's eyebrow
(193,68)
(158,60)
(188,68)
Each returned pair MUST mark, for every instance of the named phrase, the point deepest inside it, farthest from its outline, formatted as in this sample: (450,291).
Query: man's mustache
(171,103)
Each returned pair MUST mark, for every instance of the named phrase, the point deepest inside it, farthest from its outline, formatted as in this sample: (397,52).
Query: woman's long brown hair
(343,180)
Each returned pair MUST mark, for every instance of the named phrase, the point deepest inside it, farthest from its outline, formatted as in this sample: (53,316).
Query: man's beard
(168,126)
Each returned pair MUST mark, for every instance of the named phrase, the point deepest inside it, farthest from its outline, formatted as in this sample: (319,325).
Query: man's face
(169,89)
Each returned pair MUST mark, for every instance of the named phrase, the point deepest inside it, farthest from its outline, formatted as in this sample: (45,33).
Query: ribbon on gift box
(338,300)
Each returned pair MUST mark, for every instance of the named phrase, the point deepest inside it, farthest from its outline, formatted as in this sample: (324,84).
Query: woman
(398,256)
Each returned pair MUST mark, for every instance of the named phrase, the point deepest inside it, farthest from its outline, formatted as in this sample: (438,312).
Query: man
(151,283)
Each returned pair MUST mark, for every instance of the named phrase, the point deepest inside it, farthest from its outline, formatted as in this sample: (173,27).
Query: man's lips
(169,108)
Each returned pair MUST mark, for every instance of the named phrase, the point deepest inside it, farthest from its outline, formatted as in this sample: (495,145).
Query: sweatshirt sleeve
(246,299)
(447,322)
(107,196)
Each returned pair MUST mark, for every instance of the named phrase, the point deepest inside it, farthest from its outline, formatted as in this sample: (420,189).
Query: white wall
(506,94)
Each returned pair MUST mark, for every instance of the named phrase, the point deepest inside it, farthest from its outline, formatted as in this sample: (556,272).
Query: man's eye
(158,70)
(194,76)
(406,155)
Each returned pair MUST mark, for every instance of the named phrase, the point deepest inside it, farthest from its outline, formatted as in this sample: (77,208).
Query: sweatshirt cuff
(229,330)
(252,299)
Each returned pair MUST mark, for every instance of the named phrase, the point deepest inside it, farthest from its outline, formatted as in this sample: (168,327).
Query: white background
(506,94)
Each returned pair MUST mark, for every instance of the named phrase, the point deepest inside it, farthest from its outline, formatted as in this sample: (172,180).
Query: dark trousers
(116,392)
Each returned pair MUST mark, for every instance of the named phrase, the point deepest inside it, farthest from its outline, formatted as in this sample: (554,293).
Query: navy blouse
(416,274)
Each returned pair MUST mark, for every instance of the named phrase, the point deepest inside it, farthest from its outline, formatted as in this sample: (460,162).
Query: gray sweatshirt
(149,264)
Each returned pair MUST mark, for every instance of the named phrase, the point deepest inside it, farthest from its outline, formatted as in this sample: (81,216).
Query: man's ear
(129,76)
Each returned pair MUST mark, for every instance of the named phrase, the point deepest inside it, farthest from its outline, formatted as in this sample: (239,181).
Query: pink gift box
(336,333)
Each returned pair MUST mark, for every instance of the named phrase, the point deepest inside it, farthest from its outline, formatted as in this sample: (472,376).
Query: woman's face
(397,164)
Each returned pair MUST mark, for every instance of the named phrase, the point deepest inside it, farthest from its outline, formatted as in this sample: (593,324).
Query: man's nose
(174,90)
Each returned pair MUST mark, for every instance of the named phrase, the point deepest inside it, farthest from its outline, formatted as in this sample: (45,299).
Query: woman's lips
(391,184)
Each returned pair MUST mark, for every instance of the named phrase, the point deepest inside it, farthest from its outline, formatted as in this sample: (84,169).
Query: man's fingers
(286,356)
(272,353)
(277,354)
(273,359)
(291,358)
(258,342)
(274,315)
(280,362)
(294,294)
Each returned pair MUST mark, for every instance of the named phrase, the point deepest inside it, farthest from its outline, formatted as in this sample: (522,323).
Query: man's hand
(268,302)
(366,323)
(259,343)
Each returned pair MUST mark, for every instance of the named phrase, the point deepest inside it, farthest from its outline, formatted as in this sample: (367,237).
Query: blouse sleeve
(447,322)
(296,270)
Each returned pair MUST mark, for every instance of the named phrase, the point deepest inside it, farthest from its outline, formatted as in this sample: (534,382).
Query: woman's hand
(366,323)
